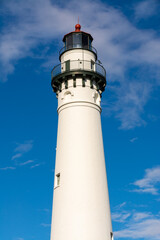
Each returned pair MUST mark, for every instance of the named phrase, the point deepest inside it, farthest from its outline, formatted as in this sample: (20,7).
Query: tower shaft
(81,208)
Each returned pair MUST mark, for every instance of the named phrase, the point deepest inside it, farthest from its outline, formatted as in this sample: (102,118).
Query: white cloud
(120,217)
(145,229)
(136,225)
(130,104)
(118,207)
(44,210)
(148,184)
(140,215)
(119,214)
(20,150)
(145,9)
(121,47)
(15,156)
(37,165)
(24,147)
(8,168)
(27,162)
(133,139)
(19,164)
(121,205)
(45,225)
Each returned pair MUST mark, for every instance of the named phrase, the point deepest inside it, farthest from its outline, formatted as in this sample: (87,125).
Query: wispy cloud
(8,168)
(22,148)
(148,184)
(45,225)
(46,210)
(136,225)
(146,9)
(141,215)
(133,139)
(119,214)
(146,228)
(130,54)
(37,165)
(25,163)
(17,155)
(120,217)
(19,151)
(120,206)
(133,101)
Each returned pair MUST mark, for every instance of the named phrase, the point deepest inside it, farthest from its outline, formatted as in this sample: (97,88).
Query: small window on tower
(111,235)
(57,180)
(92,65)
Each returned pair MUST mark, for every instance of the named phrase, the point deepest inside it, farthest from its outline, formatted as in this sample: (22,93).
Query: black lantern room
(78,39)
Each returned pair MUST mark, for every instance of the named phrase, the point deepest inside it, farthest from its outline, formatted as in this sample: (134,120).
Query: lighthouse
(81,209)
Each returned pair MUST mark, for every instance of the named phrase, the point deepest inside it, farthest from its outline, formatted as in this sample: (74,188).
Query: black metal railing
(77,65)
(77,47)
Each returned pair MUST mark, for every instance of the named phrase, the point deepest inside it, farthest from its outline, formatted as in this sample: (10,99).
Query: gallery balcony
(80,68)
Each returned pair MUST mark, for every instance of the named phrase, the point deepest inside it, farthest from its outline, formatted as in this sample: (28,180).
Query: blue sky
(127,38)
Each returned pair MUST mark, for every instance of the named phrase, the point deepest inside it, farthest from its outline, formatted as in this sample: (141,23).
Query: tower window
(67,65)
(111,235)
(92,65)
(57,180)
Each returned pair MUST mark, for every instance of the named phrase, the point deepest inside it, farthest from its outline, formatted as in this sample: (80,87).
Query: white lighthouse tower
(81,209)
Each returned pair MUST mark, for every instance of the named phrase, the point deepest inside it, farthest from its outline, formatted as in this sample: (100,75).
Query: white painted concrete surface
(81,209)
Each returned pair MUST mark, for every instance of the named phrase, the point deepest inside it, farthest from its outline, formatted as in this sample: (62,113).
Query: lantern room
(78,39)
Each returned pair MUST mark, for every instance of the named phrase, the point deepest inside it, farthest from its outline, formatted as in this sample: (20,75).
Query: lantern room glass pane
(90,44)
(77,40)
(69,41)
(85,41)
